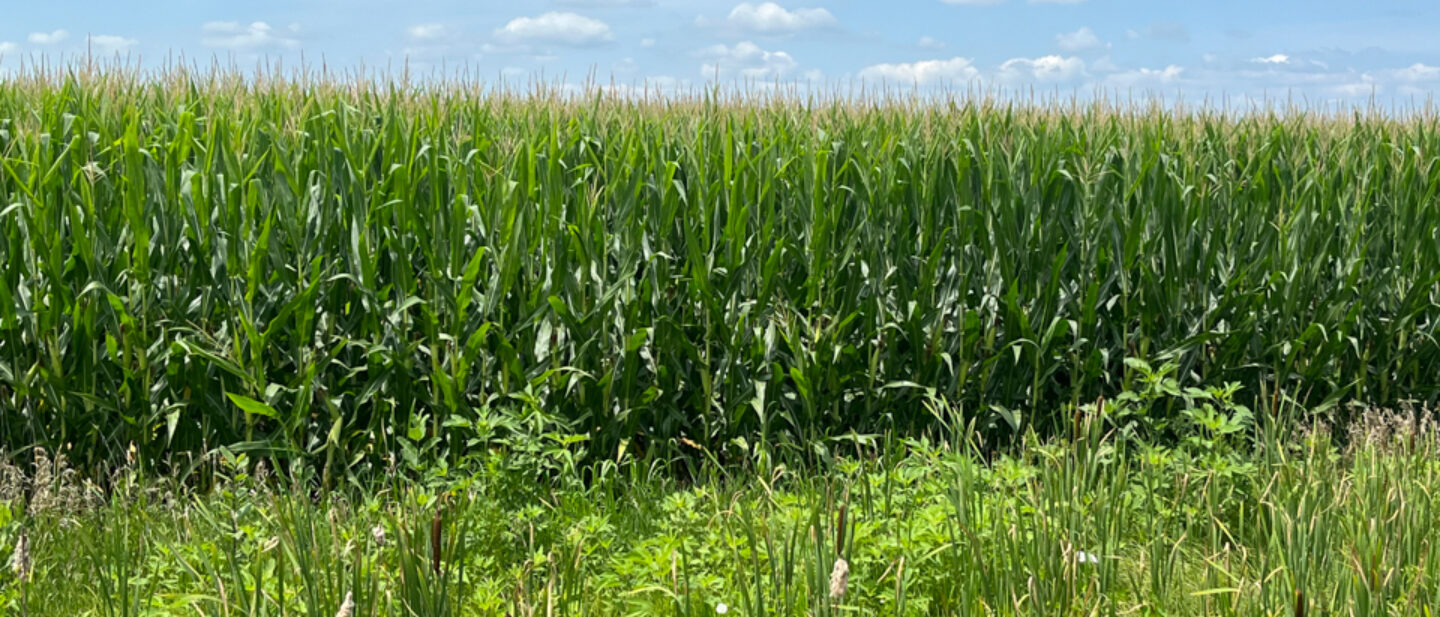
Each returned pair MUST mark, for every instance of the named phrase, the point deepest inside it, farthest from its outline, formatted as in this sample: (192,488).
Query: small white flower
(721,608)
(1084,557)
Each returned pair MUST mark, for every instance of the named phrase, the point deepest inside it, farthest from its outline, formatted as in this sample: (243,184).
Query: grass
(1097,525)
(343,271)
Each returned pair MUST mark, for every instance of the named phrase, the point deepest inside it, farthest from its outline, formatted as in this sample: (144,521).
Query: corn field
(339,270)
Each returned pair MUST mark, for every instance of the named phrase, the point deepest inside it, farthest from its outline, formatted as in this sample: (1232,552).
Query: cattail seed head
(378,534)
(839,579)
(20,559)
(347,608)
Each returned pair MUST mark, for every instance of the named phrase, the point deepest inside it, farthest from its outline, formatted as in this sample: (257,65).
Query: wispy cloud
(1083,40)
(955,70)
(769,18)
(556,28)
(426,32)
(1045,69)
(48,38)
(1275,59)
(1145,77)
(746,60)
(255,35)
(110,43)
(1161,31)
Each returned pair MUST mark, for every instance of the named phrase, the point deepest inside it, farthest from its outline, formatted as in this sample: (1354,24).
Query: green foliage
(1093,525)
(351,273)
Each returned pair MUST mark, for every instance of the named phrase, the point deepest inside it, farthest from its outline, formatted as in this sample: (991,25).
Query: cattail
(20,560)
(347,608)
(378,533)
(1299,603)
(839,578)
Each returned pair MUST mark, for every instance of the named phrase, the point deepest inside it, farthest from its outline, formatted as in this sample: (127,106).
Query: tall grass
(1095,524)
(347,270)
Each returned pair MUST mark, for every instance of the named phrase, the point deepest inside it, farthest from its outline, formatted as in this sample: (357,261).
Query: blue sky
(1319,50)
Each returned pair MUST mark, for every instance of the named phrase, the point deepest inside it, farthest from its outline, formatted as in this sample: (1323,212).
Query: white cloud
(556,28)
(1418,72)
(48,38)
(1045,69)
(925,72)
(647,42)
(1275,59)
(255,35)
(746,60)
(1082,40)
(110,42)
(1360,89)
(929,43)
(1145,78)
(6,47)
(771,18)
(425,32)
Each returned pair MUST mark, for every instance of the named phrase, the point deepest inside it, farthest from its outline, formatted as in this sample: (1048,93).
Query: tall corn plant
(338,272)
